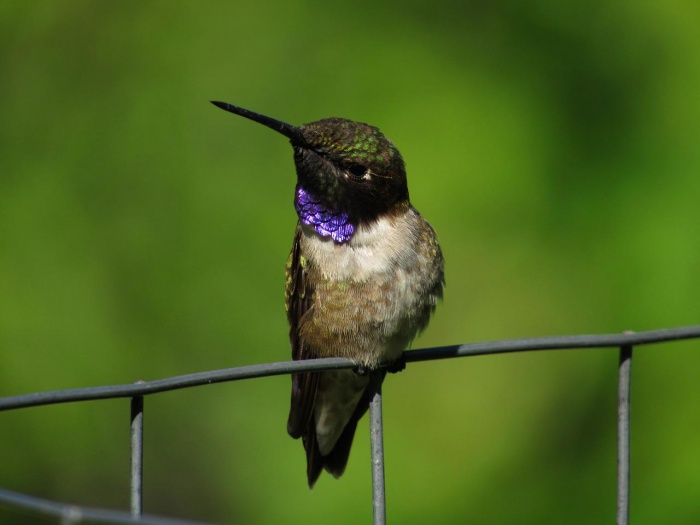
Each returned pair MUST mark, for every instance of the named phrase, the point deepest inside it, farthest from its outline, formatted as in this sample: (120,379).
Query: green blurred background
(143,233)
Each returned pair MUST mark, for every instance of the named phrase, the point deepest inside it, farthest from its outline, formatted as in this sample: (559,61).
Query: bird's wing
(298,298)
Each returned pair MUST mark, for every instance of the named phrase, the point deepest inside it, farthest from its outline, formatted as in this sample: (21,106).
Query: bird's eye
(357,170)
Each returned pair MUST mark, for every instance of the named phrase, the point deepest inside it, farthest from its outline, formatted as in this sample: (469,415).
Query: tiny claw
(398,365)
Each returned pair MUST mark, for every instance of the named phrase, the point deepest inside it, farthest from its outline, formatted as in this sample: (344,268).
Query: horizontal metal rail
(144,388)
(73,514)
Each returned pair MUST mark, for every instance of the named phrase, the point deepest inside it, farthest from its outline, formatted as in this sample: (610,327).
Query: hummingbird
(363,277)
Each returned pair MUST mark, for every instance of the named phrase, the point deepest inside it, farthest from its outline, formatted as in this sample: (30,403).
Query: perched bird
(363,277)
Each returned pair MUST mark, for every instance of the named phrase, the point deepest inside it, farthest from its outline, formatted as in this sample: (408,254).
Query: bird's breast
(372,294)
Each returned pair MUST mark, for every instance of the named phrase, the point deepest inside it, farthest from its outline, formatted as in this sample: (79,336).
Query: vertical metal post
(376,430)
(623,435)
(136,456)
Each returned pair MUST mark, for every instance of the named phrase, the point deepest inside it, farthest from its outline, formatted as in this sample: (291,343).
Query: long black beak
(293,133)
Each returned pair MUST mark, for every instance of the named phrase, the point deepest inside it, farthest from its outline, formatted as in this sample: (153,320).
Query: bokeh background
(143,233)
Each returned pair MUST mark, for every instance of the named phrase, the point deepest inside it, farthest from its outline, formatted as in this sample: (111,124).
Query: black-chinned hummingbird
(363,277)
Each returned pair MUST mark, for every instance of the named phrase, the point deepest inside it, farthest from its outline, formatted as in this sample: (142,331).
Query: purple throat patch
(327,223)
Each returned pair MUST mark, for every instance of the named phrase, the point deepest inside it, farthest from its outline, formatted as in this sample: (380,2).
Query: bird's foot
(398,365)
(361,370)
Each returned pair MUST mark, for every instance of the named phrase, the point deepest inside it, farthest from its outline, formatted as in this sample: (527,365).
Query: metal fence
(72,514)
